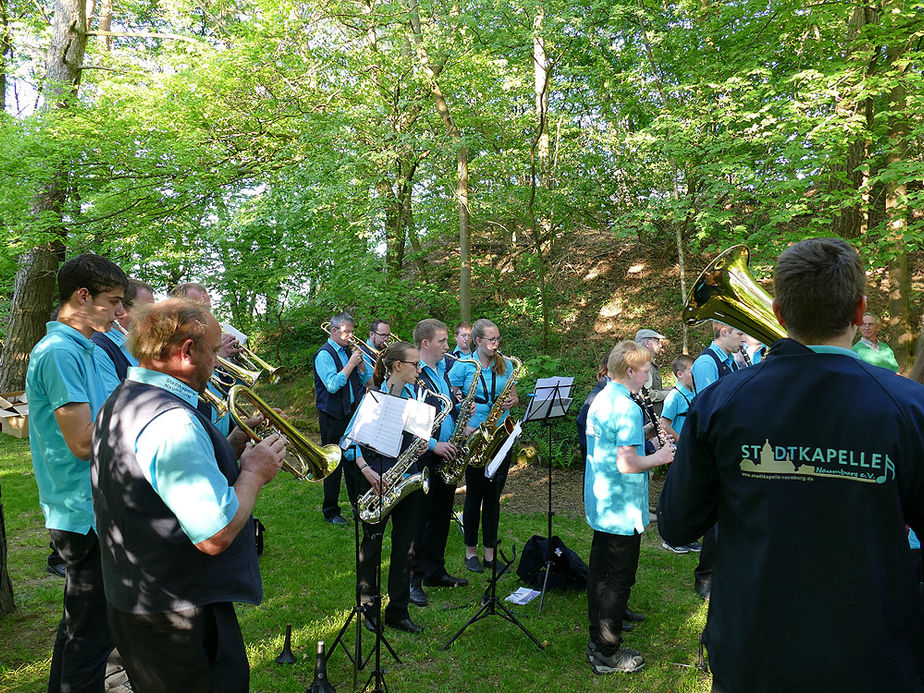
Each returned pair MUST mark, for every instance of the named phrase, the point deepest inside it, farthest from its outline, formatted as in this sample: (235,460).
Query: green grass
(308,581)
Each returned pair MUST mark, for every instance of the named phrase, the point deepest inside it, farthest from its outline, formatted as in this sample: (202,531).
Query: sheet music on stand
(381,419)
(552,397)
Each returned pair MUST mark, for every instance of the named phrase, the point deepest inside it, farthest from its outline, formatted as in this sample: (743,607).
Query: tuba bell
(305,460)
(725,291)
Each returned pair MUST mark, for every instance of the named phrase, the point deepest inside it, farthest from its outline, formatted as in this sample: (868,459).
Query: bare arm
(76,424)
(259,465)
(629,461)
(666,425)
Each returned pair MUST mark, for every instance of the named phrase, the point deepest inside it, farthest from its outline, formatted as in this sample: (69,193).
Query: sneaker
(591,652)
(695,546)
(675,549)
(622,660)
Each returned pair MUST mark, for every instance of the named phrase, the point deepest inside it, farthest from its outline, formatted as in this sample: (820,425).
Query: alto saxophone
(452,471)
(486,440)
(396,483)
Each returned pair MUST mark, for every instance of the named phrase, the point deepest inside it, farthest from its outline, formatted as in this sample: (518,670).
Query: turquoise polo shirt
(461,376)
(64,368)
(177,458)
(614,502)
(438,377)
(676,405)
(107,367)
(332,378)
(705,371)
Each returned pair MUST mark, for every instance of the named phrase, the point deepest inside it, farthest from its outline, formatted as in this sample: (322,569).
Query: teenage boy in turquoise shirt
(616,504)
(65,389)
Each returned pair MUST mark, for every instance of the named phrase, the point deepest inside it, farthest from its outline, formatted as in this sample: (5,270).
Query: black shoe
(58,569)
(405,624)
(489,565)
(418,596)
(633,616)
(369,623)
(335,520)
(445,580)
(474,564)
(703,588)
(627,627)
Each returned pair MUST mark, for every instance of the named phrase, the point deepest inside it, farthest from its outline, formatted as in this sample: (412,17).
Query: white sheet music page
(379,423)
(418,418)
(231,330)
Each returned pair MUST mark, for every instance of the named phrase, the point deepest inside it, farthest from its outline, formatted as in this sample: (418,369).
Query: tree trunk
(105,24)
(6,49)
(899,281)
(33,292)
(539,165)
(465,241)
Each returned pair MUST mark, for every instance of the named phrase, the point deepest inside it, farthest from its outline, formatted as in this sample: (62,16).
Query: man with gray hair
(651,340)
(339,377)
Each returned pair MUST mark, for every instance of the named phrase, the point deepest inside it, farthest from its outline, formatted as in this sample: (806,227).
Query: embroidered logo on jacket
(807,462)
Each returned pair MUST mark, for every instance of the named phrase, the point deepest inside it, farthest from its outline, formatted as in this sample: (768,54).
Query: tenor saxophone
(452,471)
(397,482)
(485,441)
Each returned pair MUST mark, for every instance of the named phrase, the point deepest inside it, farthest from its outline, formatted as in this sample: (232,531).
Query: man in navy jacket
(812,462)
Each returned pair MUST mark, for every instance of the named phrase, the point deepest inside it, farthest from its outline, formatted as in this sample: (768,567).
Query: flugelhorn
(726,292)
(305,460)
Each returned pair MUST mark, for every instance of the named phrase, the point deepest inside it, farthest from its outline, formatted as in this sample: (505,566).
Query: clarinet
(642,399)
(743,350)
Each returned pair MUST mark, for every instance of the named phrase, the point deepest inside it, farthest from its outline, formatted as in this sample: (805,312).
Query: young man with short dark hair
(65,389)
(811,462)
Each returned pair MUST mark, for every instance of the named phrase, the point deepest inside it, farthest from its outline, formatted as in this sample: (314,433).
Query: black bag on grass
(568,569)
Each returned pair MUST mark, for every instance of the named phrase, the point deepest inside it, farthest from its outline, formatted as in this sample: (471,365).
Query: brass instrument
(396,482)
(307,461)
(726,292)
(248,362)
(453,470)
(486,440)
(355,342)
(217,403)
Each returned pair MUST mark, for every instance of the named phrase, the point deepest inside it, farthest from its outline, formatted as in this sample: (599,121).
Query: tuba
(726,292)
(307,461)
(452,471)
(486,440)
(396,482)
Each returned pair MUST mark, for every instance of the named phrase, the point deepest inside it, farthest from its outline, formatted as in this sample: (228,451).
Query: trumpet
(305,460)
(357,343)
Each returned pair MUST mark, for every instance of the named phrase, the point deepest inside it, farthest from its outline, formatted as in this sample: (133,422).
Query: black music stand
(359,612)
(490,602)
(545,409)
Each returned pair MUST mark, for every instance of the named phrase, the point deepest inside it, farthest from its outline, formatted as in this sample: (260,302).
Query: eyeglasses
(416,364)
(490,340)
(379,334)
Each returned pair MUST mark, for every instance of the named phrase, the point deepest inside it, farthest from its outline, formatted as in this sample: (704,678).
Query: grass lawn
(308,581)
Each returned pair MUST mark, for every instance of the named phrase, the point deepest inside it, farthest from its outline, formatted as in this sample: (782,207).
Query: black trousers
(434,523)
(703,571)
(332,430)
(83,642)
(482,504)
(196,651)
(610,576)
(404,519)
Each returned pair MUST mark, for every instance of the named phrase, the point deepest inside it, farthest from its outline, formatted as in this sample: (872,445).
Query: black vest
(114,353)
(149,563)
(720,364)
(336,404)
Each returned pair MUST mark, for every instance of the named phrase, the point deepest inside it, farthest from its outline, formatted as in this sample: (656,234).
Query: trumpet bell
(305,460)
(725,291)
